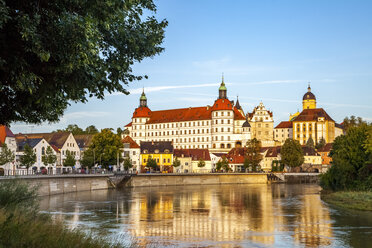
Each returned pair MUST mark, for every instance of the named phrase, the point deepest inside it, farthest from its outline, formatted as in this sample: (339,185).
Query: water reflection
(228,216)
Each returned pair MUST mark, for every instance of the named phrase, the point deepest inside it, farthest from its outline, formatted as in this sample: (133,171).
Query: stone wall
(144,180)
(51,185)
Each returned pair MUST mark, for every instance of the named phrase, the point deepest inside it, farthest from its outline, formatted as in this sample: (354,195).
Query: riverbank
(349,199)
(21,224)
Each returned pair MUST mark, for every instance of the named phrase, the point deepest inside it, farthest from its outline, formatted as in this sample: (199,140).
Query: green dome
(222,87)
(143,96)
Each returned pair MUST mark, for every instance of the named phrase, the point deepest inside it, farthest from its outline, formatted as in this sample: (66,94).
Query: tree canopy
(151,163)
(106,146)
(75,129)
(353,122)
(88,159)
(351,161)
(253,154)
(310,143)
(201,163)
(70,159)
(49,158)
(28,158)
(176,162)
(223,164)
(56,52)
(291,153)
(127,164)
(6,155)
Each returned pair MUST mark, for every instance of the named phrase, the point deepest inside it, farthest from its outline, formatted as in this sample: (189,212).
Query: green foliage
(368,143)
(91,130)
(6,155)
(151,163)
(70,159)
(127,163)
(276,166)
(253,154)
(28,158)
(353,122)
(56,52)
(350,168)
(201,163)
(49,159)
(119,131)
(88,159)
(321,143)
(291,153)
(223,164)
(17,194)
(310,143)
(21,224)
(106,146)
(176,162)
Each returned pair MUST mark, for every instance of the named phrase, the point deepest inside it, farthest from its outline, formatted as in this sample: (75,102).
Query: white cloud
(166,87)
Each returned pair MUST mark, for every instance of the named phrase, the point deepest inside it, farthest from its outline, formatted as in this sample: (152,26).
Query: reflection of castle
(229,214)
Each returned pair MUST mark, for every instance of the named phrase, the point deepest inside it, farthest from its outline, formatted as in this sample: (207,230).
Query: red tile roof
(187,114)
(5,132)
(312,115)
(132,143)
(236,155)
(195,154)
(141,112)
(326,148)
(285,124)
(128,125)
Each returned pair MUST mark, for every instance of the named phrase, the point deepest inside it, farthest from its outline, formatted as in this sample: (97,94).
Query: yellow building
(160,151)
(313,122)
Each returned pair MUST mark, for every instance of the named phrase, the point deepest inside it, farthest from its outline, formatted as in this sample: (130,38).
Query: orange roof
(141,112)
(176,115)
(128,125)
(5,132)
(132,143)
(195,154)
(326,148)
(222,104)
(236,155)
(312,115)
(285,124)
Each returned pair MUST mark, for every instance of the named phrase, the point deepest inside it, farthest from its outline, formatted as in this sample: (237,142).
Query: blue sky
(267,50)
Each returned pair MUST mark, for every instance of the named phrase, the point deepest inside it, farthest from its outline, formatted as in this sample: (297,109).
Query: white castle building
(218,128)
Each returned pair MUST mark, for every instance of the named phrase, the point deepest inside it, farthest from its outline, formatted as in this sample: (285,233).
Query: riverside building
(218,128)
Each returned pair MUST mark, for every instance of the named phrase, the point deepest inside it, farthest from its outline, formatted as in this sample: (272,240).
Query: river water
(265,215)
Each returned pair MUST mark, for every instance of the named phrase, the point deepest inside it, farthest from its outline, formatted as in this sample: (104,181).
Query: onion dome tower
(143,99)
(222,91)
(309,99)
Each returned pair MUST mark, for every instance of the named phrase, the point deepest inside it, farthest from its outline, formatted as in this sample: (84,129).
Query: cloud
(166,87)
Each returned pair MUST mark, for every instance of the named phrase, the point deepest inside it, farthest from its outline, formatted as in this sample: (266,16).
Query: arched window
(228,145)
(222,145)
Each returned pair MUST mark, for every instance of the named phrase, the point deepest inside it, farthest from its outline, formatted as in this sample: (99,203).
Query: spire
(309,88)
(237,105)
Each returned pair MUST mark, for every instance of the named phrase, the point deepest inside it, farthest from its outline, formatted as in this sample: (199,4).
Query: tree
(74,129)
(88,159)
(70,159)
(28,158)
(223,164)
(91,130)
(353,122)
(292,154)
(253,154)
(107,148)
(201,163)
(176,162)
(49,159)
(6,155)
(151,163)
(310,143)
(127,164)
(321,143)
(350,168)
(119,131)
(246,163)
(56,52)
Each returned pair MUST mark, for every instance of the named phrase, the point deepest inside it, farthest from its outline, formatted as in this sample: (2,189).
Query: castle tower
(143,99)
(309,100)
(222,91)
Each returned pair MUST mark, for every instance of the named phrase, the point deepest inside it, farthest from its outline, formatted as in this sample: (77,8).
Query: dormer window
(156,151)
(145,151)
(166,151)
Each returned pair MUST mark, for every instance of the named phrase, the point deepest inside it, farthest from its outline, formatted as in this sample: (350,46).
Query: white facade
(72,146)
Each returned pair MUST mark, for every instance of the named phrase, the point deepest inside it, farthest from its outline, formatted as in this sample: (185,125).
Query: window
(168,160)
(164,160)
(222,113)
(228,113)
(43,151)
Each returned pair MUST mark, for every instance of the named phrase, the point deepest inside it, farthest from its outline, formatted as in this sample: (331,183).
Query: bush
(15,194)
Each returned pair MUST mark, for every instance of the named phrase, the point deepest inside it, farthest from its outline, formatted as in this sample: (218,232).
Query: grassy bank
(349,199)
(21,224)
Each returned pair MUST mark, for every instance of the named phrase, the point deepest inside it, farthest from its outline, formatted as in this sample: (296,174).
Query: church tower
(309,100)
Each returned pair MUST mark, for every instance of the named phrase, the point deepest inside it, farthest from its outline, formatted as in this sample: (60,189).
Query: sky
(267,50)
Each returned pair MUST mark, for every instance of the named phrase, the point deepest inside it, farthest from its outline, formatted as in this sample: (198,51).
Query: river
(262,215)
